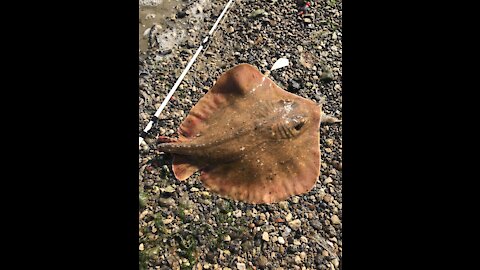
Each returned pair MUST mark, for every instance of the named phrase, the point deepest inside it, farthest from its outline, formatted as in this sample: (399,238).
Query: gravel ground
(181,224)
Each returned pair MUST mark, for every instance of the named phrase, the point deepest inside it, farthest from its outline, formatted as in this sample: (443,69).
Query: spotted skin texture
(252,140)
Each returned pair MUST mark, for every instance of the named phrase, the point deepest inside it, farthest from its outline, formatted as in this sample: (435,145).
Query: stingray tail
(328,119)
(325,118)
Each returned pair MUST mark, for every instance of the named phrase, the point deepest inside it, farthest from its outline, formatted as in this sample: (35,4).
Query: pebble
(230,29)
(335,262)
(166,201)
(329,142)
(281,240)
(295,85)
(296,242)
(335,219)
(316,224)
(304,239)
(328,180)
(227,238)
(307,20)
(241,266)
(328,198)
(288,217)
(262,261)
(283,205)
(298,260)
(295,224)
(303,255)
(140,247)
(300,48)
(167,221)
(237,213)
(265,237)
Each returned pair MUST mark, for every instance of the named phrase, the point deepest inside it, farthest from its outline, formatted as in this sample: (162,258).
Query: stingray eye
(298,126)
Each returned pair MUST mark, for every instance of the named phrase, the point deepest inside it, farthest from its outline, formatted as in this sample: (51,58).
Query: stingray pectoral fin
(266,176)
(228,90)
(183,167)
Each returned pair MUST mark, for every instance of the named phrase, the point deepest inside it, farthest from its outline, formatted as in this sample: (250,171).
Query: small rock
(295,224)
(307,20)
(279,220)
(325,253)
(167,221)
(300,48)
(304,239)
(194,189)
(168,189)
(327,75)
(335,219)
(283,205)
(296,242)
(181,14)
(303,255)
(241,266)
(338,165)
(295,199)
(227,238)
(288,217)
(141,247)
(166,201)
(265,237)
(298,260)
(294,85)
(256,13)
(230,29)
(329,142)
(237,213)
(335,262)
(328,180)
(328,198)
(316,224)
(262,216)
(281,240)
(262,261)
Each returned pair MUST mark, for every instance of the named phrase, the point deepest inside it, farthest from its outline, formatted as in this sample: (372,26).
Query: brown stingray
(253,141)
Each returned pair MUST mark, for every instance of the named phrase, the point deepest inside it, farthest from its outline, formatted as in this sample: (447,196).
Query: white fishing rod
(187,68)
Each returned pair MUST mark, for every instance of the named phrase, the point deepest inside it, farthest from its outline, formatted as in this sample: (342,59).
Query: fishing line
(204,44)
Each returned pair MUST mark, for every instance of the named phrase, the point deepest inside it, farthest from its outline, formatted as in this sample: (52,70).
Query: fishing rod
(203,45)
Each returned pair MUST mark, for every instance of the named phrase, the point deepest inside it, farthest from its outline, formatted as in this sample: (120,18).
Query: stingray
(252,140)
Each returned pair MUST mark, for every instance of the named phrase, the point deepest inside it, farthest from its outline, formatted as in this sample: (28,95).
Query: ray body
(253,141)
